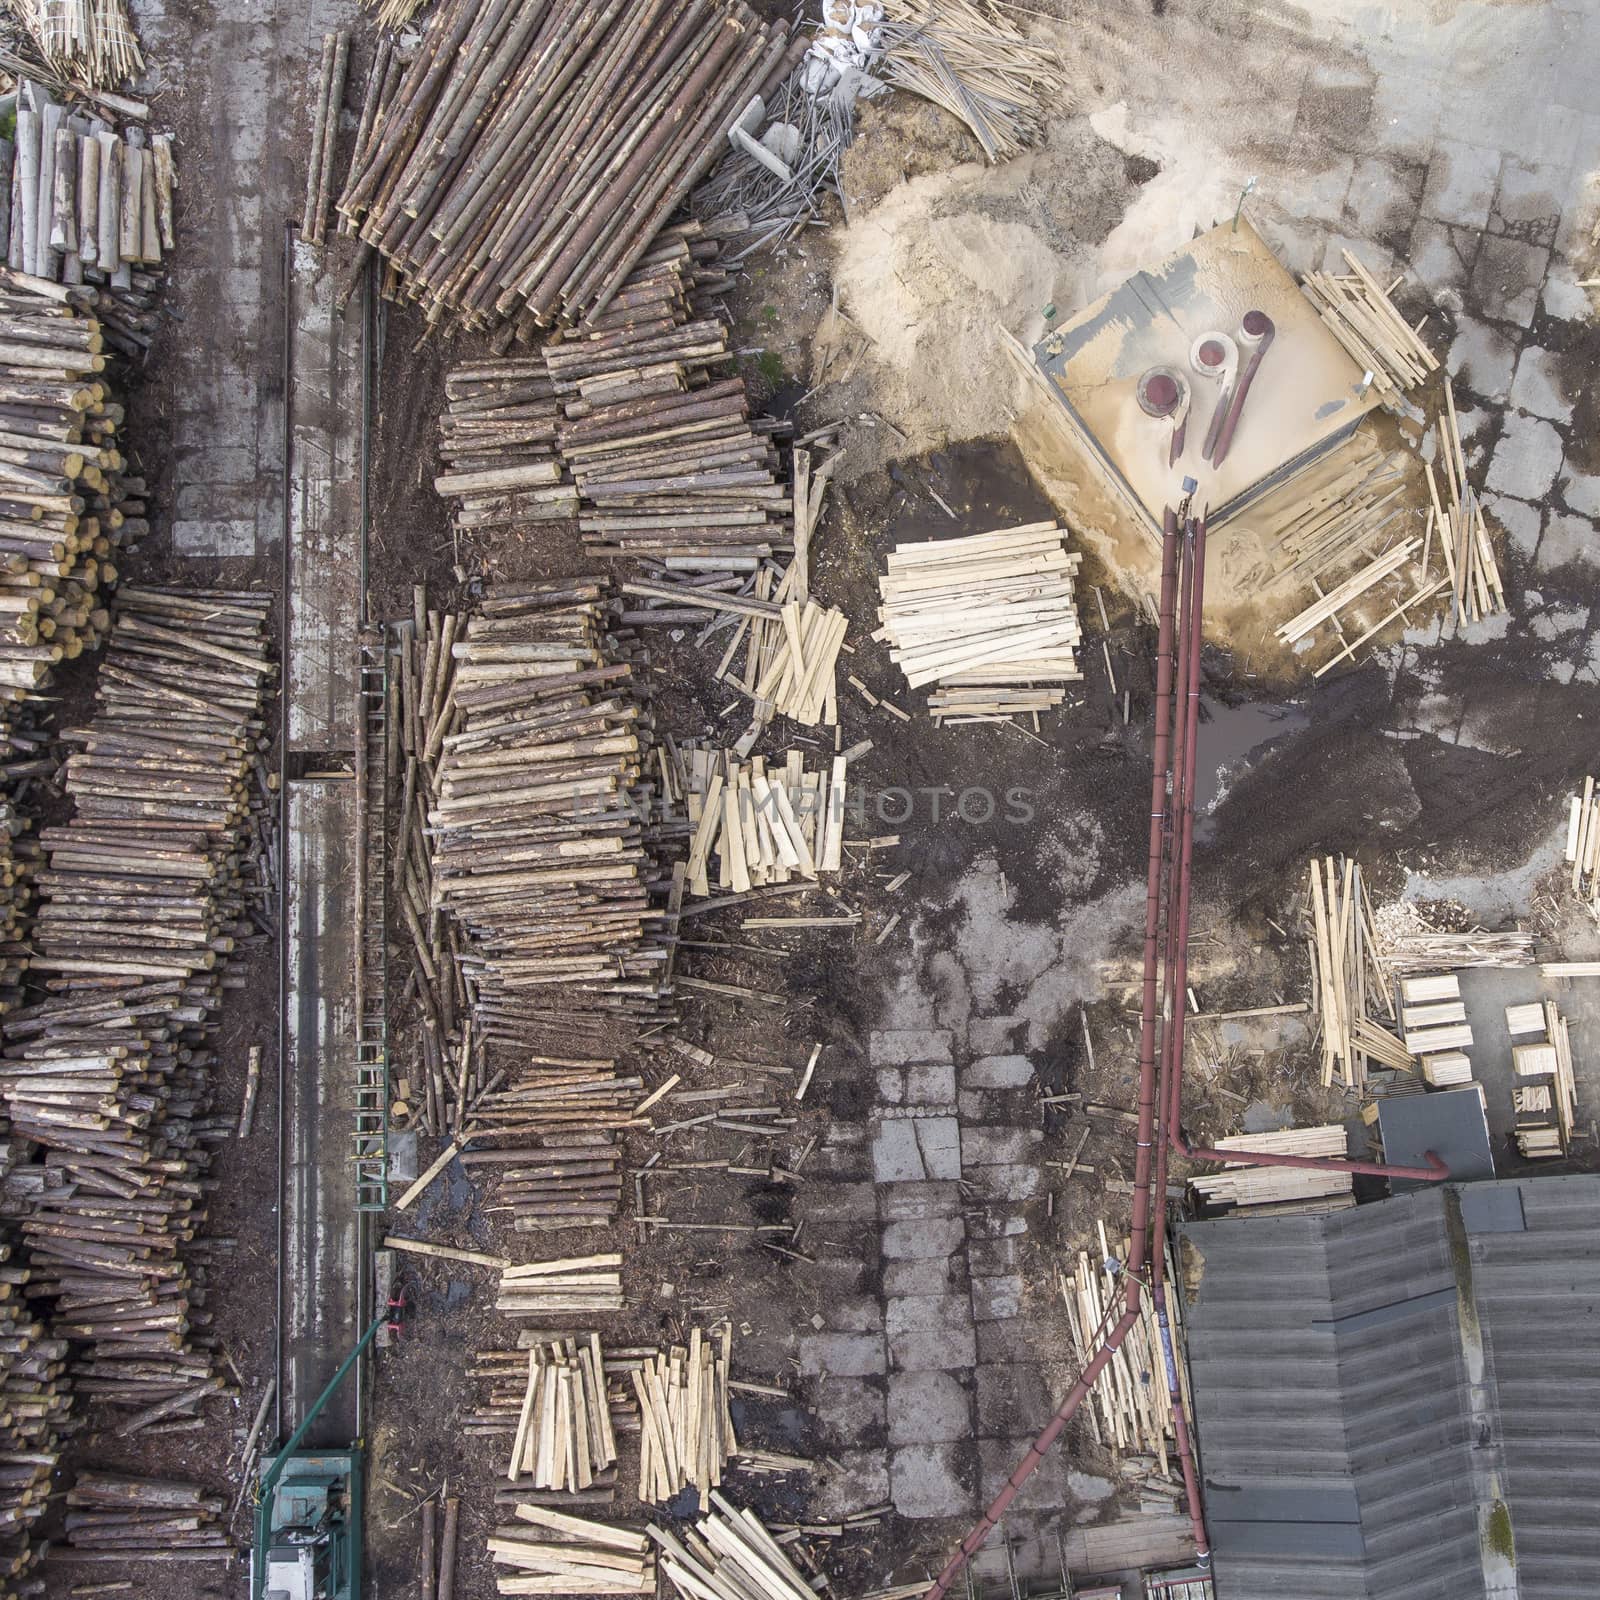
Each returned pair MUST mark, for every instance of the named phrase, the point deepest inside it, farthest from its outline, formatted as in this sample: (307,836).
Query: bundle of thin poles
(90,42)
(967,58)
(531,152)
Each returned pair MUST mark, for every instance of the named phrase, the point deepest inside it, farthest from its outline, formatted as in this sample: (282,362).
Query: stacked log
(119,1518)
(575,1285)
(538,843)
(91,207)
(19,860)
(143,895)
(532,152)
(65,506)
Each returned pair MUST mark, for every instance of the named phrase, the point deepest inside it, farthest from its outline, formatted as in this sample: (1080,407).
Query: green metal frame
(274,1474)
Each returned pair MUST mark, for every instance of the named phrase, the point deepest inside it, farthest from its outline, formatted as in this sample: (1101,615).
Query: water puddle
(1233,739)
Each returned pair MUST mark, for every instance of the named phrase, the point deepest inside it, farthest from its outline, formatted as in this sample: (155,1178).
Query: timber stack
(729,1552)
(1268,1189)
(990,619)
(114,1518)
(91,209)
(687,1435)
(550,1552)
(564,1439)
(527,160)
(143,895)
(574,1285)
(538,843)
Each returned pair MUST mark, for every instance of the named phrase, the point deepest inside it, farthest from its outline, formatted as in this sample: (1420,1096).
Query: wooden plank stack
(1424,952)
(758,825)
(1583,844)
(991,619)
(115,1518)
(729,1553)
(1544,1095)
(1241,1185)
(574,1285)
(564,1439)
(537,844)
(1456,519)
(143,896)
(554,1553)
(686,1426)
(1350,991)
(1362,317)
(1131,1409)
(531,152)
(1435,1024)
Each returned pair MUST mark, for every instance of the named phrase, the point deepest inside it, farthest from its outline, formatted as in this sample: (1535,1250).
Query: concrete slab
(1507,279)
(1012,1398)
(928,1275)
(848,1481)
(998,1072)
(1526,459)
(1382,198)
(933,1480)
(910,1149)
(1461,183)
(1566,538)
(903,1046)
(927,1408)
(1581,491)
(842,1355)
(853,1409)
(1483,357)
(996,1298)
(902,1201)
(224,539)
(1527,204)
(930,1084)
(1537,386)
(1521,521)
(923,1239)
(994,1146)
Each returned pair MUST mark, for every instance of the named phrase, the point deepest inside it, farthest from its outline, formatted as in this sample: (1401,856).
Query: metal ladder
(371,1132)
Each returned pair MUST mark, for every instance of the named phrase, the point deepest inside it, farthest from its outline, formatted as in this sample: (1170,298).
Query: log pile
(531,152)
(991,619)
(117,1518)
(687,1432)
(562,1554)
(65,504)
(1351,992)
(326,102)
(19,860)
(729,1552)
(1131,1409)
(142,897)
(1362,317)
(575,1285)
(33,1403)
(1240,1185)
(757,826)
(538,848)
(564,1439)
(91,208)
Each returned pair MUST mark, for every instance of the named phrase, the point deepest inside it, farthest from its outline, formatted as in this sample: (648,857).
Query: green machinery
(308,1512)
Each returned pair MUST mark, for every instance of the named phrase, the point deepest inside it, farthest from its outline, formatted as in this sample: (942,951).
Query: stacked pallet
(89,207)
(991,619)
(116,1518)
(1241,1185)
(564,1439)
(758,826)
(1362,317)
(1544,1095)
(525,164)
(537,847)
(729,1553)
(571,1555)
(575,1285)
(497,439)
(686,1426)
(1131,1409)
(1350,991)
(143,895)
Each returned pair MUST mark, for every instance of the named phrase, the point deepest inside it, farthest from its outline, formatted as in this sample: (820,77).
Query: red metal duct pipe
(1161,760)
(1259,328)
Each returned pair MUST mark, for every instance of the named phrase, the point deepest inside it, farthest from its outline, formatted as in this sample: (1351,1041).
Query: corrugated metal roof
(1369,1383)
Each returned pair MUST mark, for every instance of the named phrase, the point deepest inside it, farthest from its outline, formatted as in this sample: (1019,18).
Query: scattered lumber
(1362,317)
(1131,1409)
(729,1552)
(687,1428)
(1405,953)
(1350,991)
(1475,587)
(1583,844)
(534,823)
(991,619)
(1241,1186)
(110,1075)
(87,42)
(525,166)
(143,1519)
(573,1285)
(552,1552)
(979,66)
